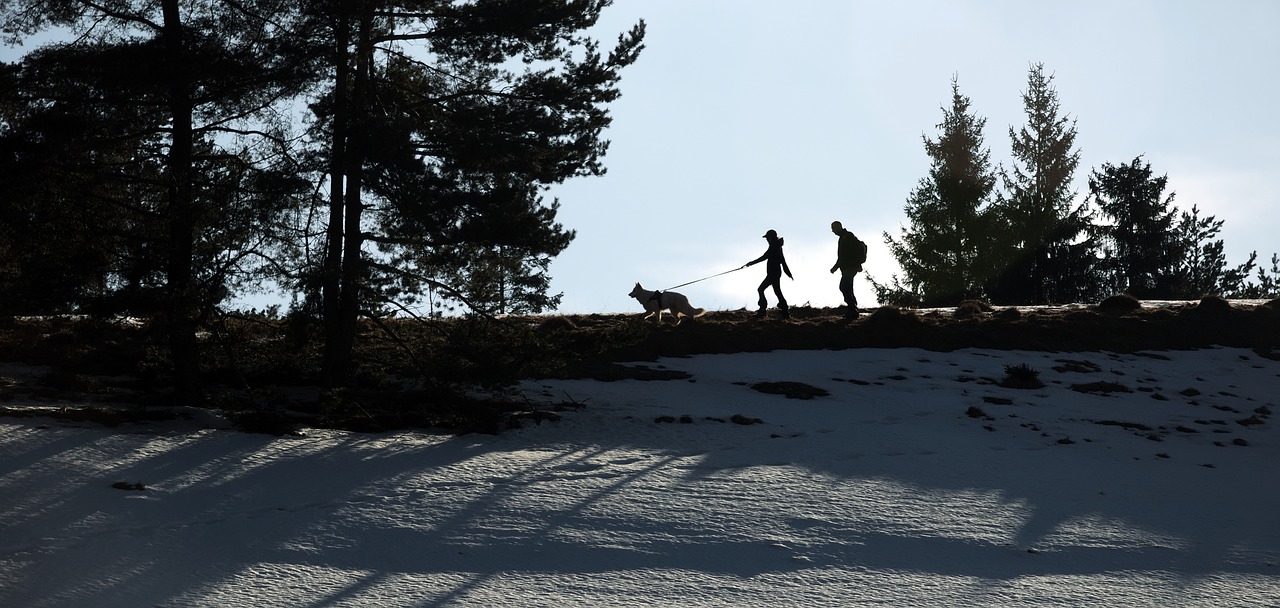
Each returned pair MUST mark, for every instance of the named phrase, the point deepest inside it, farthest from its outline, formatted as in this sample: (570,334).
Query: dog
(654,302)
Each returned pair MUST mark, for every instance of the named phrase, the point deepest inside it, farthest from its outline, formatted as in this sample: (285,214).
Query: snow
(884,492)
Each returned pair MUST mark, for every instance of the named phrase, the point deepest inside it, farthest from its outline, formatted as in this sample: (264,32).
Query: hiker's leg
(846,289)
(760,290)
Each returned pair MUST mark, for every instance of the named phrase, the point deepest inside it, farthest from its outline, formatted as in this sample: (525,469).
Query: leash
(704,278)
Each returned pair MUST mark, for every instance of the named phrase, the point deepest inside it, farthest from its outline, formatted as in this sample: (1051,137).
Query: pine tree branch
(122,16)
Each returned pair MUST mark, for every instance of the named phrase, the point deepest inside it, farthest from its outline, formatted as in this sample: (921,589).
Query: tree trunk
(182,305)
(331,286)
(341,342)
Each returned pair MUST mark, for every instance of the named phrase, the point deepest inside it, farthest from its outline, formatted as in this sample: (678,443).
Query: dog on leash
(654,302)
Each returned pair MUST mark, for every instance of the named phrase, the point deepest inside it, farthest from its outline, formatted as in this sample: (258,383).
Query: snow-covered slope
(917,480)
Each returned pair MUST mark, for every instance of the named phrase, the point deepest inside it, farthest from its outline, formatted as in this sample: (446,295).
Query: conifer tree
(1046,254)
(192,86)
(1153,251)
(941,250)
(1267,285)
(1202,267)
(444,124)
(1140,247)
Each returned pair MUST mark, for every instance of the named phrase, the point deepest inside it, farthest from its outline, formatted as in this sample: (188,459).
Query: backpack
(859,251)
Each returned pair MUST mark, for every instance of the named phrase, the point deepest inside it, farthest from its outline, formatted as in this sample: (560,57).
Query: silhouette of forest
(363,156)
(366,157)
(1021,235)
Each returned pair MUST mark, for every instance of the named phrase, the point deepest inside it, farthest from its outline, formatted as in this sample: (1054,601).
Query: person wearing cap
(775,265)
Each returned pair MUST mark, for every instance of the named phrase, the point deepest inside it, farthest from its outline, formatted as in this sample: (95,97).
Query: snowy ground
(888,491)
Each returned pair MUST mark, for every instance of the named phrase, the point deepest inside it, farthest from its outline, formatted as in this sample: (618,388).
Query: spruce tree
(1140,247)
(1045,254)
(941,250)
(1153,251)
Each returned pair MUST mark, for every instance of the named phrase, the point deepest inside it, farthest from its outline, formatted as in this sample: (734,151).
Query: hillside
(1115,325)
(900,477)
(458,373)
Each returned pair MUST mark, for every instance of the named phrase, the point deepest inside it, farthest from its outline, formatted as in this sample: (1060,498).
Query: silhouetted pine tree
(941,250)
(1155,252)
(444,124)
(1046,254)
(1141,249)
(1202,268)
(192,87)
(1268,284)
(73,169)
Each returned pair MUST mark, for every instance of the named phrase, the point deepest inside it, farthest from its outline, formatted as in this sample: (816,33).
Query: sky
(743,115)
(885,491)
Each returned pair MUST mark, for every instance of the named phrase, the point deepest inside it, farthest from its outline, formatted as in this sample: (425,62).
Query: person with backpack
(851,253)
(775,265)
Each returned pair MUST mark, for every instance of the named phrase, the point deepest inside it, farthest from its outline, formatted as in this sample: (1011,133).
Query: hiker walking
(775,265)
(850,254)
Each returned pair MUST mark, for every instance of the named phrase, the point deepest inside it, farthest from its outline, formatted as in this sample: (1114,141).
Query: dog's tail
(693,312)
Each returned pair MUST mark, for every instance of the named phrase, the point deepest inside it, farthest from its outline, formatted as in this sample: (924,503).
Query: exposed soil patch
(1075,366)
(790,390)
(1133,426)
(611,372)
(1104,388)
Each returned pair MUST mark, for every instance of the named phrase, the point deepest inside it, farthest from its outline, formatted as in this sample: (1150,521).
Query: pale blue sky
(745,115)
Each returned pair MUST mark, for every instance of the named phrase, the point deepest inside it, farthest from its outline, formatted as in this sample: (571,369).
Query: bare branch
(121,16)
